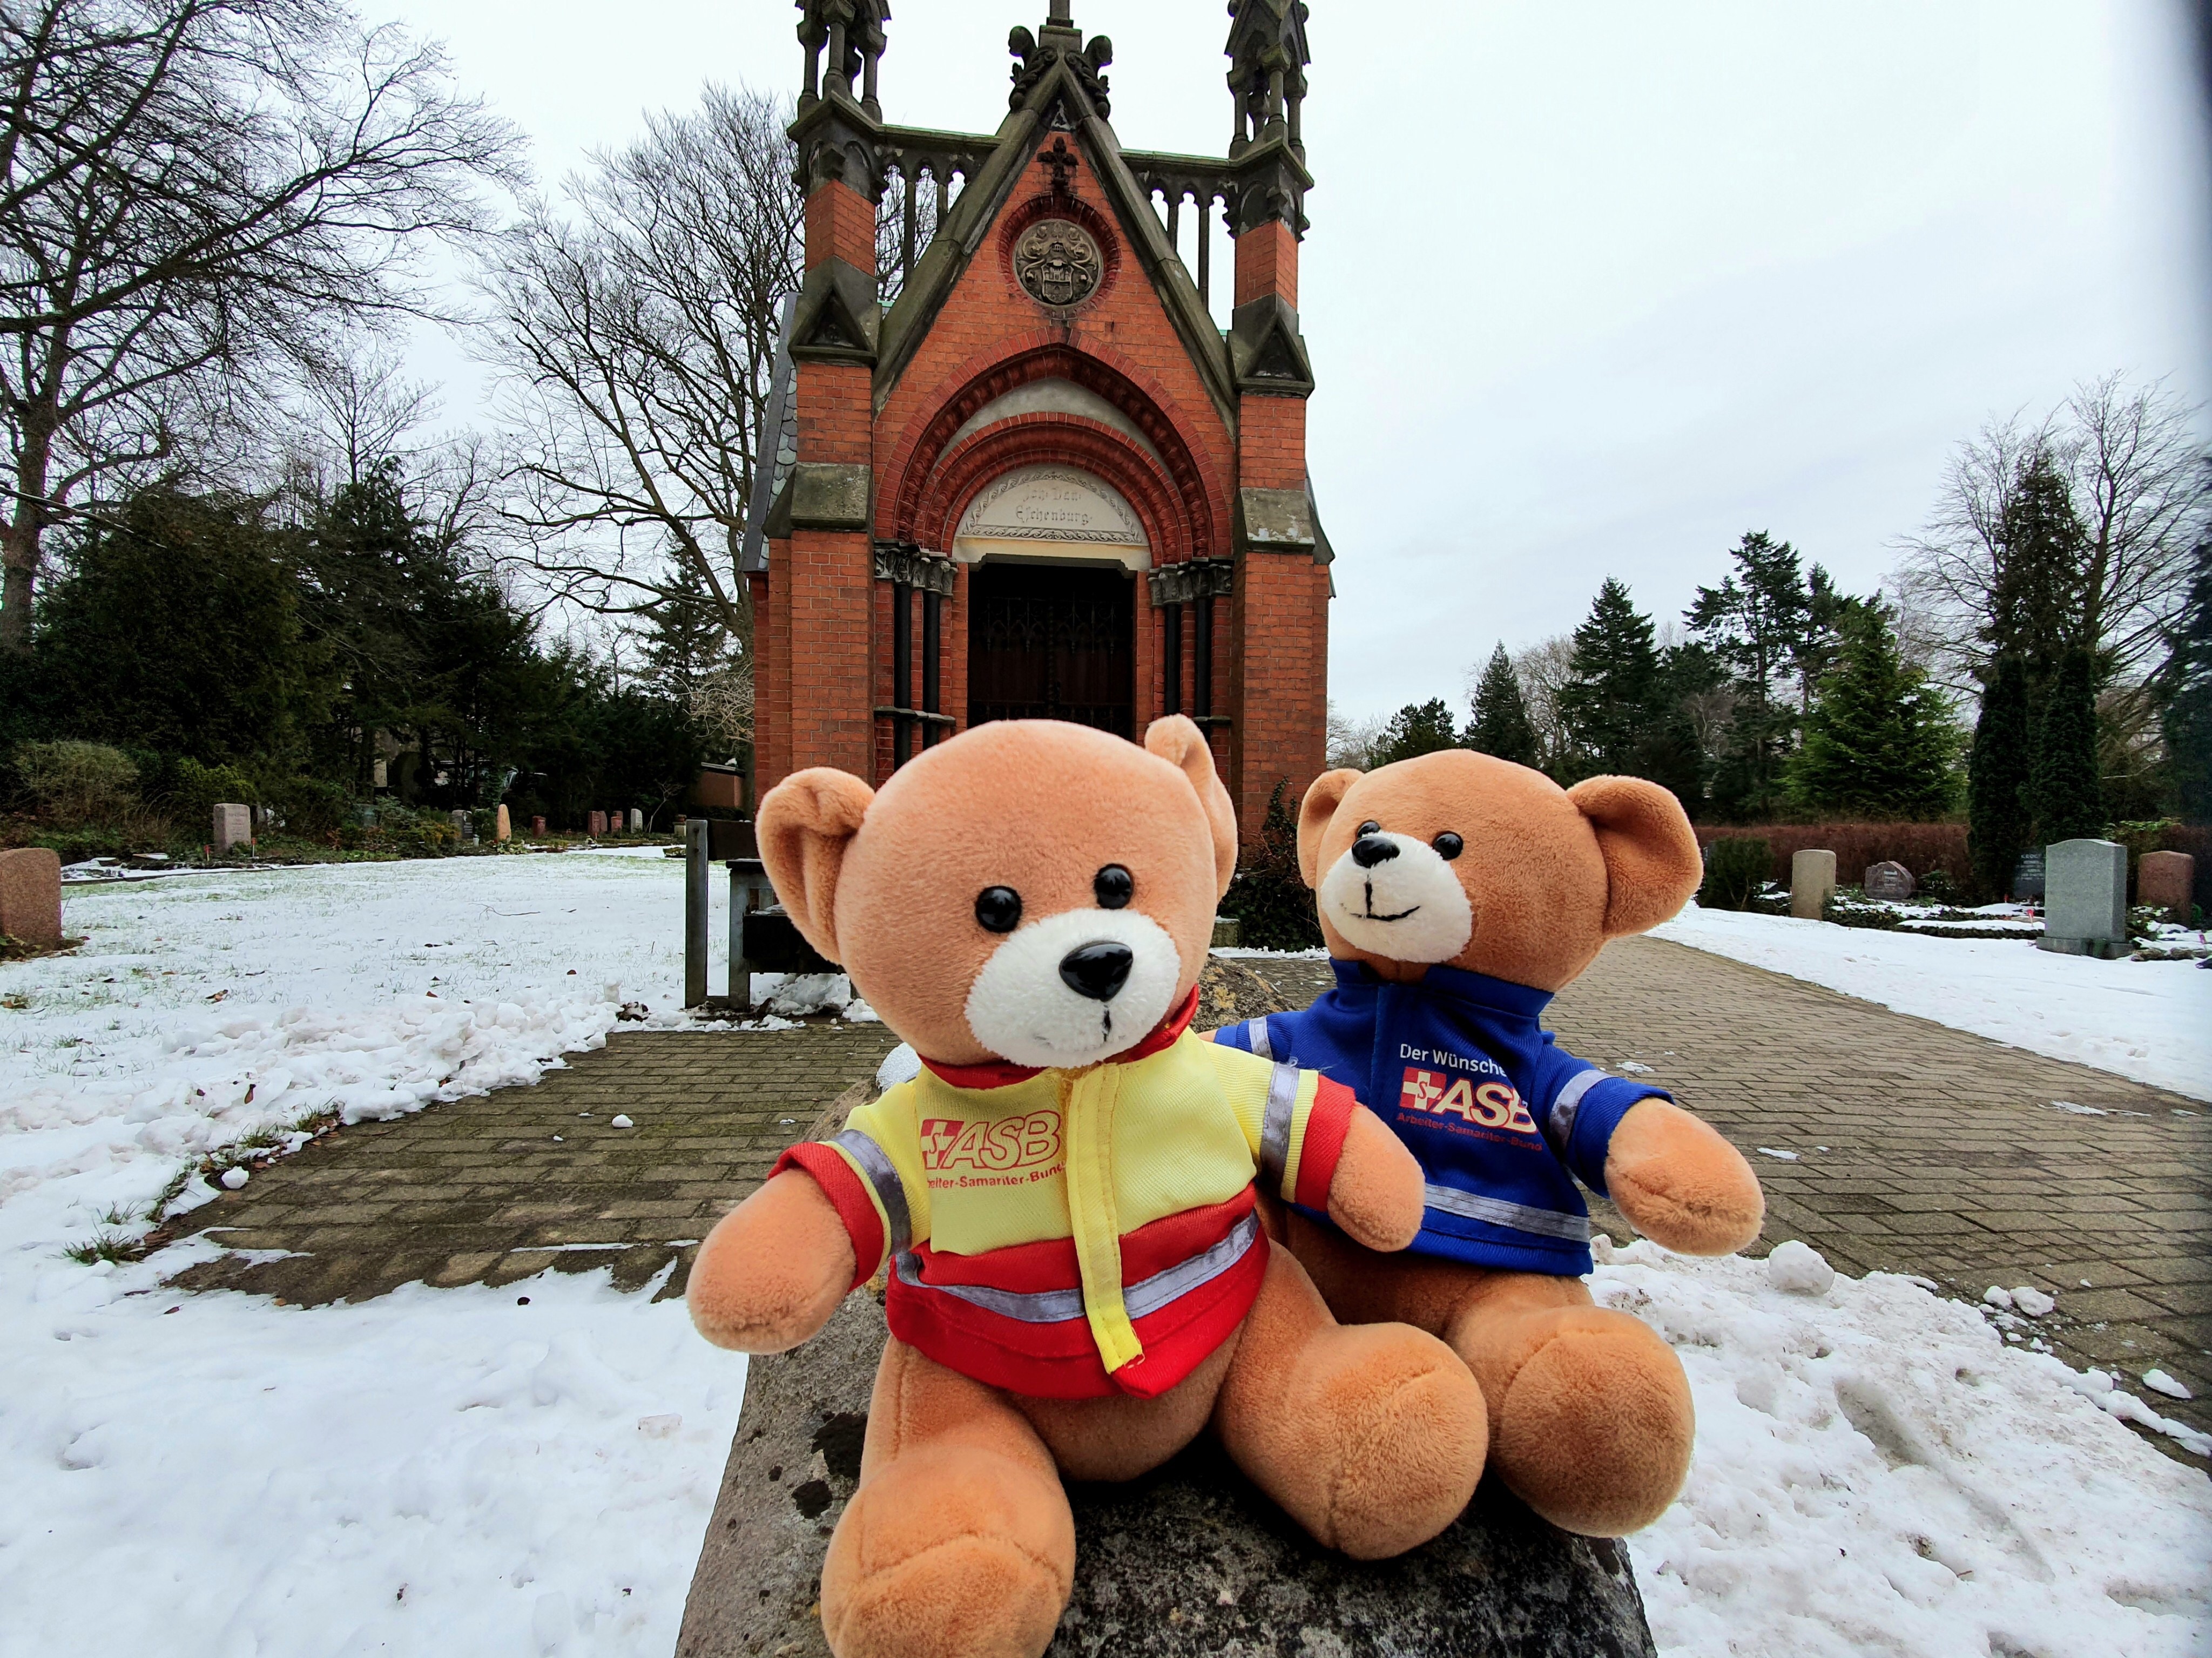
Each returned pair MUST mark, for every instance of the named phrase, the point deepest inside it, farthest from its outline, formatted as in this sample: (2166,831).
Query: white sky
(1591,288)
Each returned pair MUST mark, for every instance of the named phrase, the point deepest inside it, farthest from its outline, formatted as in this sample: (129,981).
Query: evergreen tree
(1998,825)
(1417,728)
(1268,897)
(1759,622)
(684,637)
(1878,740)
(1501,725)
(2186,682)
(2063,795)
(1610,699)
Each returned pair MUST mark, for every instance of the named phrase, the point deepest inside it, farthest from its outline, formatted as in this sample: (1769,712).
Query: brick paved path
(1920,1149)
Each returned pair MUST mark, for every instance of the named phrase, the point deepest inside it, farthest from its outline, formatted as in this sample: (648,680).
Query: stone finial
(1268,58)
(851,32)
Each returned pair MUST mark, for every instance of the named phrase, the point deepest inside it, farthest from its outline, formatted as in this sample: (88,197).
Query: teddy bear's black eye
(999,909)
(1114,887)
(1370,827)
(1448,846)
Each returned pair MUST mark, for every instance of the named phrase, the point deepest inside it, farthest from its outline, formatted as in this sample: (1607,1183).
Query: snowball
(2031,1301)
(1799,1268)
(2160,1381)
(620,1121)
(901,1065)
(234,1178)
(1997,1297)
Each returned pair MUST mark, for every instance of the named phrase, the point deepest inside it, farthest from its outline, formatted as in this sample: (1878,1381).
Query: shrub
(1269,899)
(1735,868)
(311,808)
(77,782)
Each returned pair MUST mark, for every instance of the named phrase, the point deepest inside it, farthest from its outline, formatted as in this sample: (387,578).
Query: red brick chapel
(1042,481)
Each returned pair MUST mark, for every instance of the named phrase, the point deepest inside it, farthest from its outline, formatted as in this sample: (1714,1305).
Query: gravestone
(2168,881)
(2085,898)
(2027,877)
(537,826)
(1812,883)
(464,826)
(503,825)
(636,821)
(234,826)
(1189,1561)
(595,824)
(1888,882)
(31,896)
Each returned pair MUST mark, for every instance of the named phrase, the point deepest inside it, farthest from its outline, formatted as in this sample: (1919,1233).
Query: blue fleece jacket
(1496,1114)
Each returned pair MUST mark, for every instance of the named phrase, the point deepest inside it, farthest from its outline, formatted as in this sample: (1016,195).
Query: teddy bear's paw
(1594,1432)
(1414,1455)
(949,1551)
(1681,1184)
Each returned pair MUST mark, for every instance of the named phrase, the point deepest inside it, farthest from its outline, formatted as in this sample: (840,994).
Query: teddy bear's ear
(1180,743)
(804,825)
(1314,813)
(1652,864)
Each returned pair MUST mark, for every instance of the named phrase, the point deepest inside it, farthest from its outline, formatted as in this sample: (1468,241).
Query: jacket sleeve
(872,1172)
(1295,1121)
(1579,1105)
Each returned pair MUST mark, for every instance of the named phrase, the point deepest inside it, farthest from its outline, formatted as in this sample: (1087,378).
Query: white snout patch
(1410,908)
(1022,1010)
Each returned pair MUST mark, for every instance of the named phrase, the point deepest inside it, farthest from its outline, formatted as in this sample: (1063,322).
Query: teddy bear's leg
(959,1541)
(1591,1418)
(1370,1437)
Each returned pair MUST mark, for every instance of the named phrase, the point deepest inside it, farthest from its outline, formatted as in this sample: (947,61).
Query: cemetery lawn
(2151,1020)
(528,1469)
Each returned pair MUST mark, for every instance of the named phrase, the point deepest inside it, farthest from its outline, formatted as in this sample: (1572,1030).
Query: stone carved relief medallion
(1057,263)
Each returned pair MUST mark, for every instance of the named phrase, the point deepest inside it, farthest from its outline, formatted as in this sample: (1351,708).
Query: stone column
(2085,898)
(1812,883)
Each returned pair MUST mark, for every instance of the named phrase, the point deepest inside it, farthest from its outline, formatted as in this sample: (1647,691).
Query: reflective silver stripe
(1258,1031)
(1564,1108)
(1059,1306)
(1275,1129)
(1518,1215)
(885,1179)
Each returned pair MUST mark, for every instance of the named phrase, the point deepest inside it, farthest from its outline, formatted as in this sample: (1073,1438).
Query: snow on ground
(2148,1020)
(1876,1471)
(436,1472)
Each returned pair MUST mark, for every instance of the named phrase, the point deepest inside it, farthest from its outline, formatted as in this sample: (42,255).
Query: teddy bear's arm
(1680,1183)
(1377,1193)
(773,1268)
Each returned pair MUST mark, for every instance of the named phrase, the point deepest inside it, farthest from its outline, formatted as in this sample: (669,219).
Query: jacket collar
(1002,1073)
(1450,984)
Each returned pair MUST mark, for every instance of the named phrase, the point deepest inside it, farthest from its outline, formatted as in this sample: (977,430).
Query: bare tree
(636,322)
(2135,462)
(1542,669)
(1352,740)
(190,189)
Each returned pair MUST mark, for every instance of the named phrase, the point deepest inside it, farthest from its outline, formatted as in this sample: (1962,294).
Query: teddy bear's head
(1461,859)
(1028,890)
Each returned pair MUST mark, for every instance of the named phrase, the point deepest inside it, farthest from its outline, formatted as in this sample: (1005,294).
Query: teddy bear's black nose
(1369,850)
(1098,970)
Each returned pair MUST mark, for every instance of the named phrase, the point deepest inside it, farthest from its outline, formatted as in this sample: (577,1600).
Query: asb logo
(1488,1105)
(1010,1143)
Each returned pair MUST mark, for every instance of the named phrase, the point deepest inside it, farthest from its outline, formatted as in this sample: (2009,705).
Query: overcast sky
(1590,288)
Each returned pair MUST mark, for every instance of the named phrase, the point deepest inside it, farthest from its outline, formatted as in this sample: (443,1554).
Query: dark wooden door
(1052,642)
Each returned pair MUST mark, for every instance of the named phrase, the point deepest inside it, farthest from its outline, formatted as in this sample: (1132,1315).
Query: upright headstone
(537,826)
(1812,883)
(2168,881)
(636,821)
(464,826)
(2085,898)
(2027,877)
(595,824)
(505,825)
(1888,882)
(234,826)
(31,896)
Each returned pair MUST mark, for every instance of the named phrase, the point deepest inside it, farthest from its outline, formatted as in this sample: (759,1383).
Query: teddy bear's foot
(1593,1431)
(958,1543)
(1370,1437)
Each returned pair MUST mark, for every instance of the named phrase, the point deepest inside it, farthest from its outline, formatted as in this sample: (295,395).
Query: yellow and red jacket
(1073,1233)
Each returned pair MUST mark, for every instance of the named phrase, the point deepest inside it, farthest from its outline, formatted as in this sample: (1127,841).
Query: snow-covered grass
(1877,1472)
(2148,1020)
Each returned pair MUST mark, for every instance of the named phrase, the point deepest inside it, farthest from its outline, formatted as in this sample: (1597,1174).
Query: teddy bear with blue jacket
(1458,893)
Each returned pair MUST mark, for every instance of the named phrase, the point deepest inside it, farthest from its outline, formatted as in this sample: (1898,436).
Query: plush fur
(1589,1414)
(959,1540)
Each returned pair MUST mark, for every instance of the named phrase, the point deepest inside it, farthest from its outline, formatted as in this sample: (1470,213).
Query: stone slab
(31,896)
(2168,881)
(1887,882)
(1812,882)
(2085,897)
(233,826)
(1189,1561)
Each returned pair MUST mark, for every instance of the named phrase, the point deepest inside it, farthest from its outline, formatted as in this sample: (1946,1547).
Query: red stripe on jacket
(1327,1124)
(848,1194)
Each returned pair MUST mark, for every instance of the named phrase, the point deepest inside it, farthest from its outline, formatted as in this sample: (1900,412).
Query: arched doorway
(1054,555)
